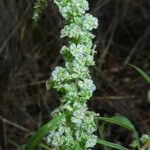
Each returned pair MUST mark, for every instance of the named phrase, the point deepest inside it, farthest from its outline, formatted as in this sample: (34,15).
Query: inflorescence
(74,81)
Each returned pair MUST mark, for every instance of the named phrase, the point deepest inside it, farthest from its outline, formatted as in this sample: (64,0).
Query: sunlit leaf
(119,120)
(42,132)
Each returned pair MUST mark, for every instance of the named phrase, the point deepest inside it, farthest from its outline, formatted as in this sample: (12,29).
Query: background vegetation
(28,54)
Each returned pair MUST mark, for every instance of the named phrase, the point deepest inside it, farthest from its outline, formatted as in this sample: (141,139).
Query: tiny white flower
(91,141)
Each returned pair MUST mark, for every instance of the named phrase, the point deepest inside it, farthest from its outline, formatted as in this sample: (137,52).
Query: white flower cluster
(90,22)
(69,8)
(144,139)
(78,127)
(74,80)
(80,53)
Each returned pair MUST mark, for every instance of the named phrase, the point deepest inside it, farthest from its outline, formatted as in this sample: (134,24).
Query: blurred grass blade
(112,145)
(44,146)
(43,131)
(119,120)
(141,72)
(77,146)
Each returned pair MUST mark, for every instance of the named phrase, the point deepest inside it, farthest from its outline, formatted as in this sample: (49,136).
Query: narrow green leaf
(77,146)
(119,120)
(101,129)
(112,145)
(142,73)
(42,145)
(43,131)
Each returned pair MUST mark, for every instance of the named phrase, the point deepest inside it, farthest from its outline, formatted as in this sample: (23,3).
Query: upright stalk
(73,80)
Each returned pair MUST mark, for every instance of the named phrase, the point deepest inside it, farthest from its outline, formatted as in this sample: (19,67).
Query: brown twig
(14,124)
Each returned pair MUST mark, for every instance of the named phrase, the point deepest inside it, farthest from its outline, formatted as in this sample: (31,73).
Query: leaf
(119,120)
(43,131)
(44,146)
(112,145)
(77,146)
(101,129)
(141,72)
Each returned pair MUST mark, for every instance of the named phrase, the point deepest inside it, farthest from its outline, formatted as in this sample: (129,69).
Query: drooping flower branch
(39,7)
(73,80)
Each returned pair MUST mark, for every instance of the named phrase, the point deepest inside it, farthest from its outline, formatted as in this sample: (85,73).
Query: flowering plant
(74,81)
(73,125)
